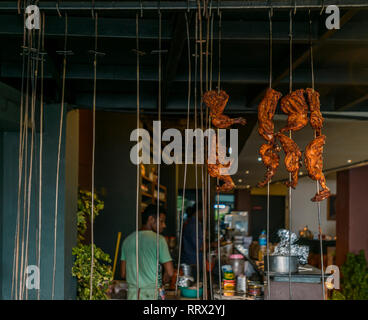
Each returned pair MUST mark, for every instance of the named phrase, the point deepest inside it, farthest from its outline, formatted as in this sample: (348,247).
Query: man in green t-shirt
(147,257)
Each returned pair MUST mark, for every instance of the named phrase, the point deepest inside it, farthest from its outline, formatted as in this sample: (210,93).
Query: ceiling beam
(324,76)
(305,55)
(148,29)
(353,103)
(174,55)
(183,5)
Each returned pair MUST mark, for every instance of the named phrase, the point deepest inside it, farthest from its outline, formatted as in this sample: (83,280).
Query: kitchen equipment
(237,263)
(280,264)
(185,281)
(191,292)
(187,271)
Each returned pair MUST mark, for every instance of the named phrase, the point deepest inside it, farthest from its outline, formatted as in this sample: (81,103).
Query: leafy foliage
(354,282)
(84,211)
(102,273)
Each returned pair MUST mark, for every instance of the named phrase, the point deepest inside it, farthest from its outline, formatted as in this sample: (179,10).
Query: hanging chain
(186,149)
(219,52)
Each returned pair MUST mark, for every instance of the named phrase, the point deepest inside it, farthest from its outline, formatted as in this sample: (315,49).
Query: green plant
(102,273)
(84,211)
(354,280)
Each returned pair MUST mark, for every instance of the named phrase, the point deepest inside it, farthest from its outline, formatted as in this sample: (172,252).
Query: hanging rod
(191,5)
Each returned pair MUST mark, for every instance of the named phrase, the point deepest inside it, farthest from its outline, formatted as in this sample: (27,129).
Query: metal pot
(280,264)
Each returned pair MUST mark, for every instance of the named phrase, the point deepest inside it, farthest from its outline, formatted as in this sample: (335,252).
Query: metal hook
(57,8)
(141,4)
(218,7)
(188,9)
(323,7)
(294,7)
(159,7)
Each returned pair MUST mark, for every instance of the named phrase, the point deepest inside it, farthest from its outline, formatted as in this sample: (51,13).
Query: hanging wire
(186,149)
(138,173)
(25,131)
(270,14)
(317,185)
(34,77)
(96,53)
(59,154)
(217,182)
(204,275)
(208,176)
(14,290)
(41,154)
(158,165)
(290,90)
(195,127)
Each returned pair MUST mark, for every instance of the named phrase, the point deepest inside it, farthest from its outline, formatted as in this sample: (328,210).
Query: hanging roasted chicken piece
(316,119)
(270,159)
(314,162)
(292,159)
(296,107)
(214,168)
(266,112)
(216,102)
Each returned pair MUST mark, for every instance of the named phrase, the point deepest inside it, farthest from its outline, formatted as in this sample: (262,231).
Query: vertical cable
(14,289)
(138,164)
(317,186)
(218,193)
(59,156)
(195,127)
(186,149)
(40,155)
(270,13)
(159,160)
(93,156)
(290,90)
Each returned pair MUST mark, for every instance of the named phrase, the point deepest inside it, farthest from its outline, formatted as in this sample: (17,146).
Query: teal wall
(9,183)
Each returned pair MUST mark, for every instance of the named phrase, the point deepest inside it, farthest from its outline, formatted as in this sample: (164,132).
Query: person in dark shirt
(189,253)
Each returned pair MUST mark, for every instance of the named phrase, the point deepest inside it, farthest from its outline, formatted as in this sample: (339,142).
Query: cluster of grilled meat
(216,102)
(296,105)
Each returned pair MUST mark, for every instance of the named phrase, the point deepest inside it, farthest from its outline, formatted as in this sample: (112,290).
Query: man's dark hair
(151,210)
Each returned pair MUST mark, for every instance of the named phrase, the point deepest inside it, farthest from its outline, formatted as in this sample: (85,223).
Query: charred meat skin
(292,159)
(316,119)
(266,112)
(216,102)
(214,168)
(270,159)
(296,107)
(314,163)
